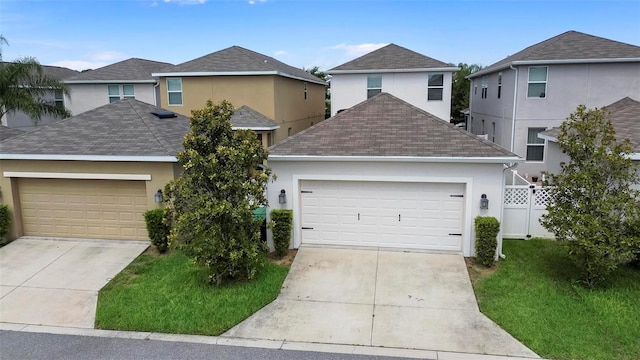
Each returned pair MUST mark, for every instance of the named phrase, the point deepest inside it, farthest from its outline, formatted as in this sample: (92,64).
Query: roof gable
(123,128)
(390,57)
(385,126)
(133,69)
(571,45)
(238,60)
(246,118)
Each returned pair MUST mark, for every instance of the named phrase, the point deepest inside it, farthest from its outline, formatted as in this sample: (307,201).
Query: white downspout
(504,174)
(513,115)
(155,98)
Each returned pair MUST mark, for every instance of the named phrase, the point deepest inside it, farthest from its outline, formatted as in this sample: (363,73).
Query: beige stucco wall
(292,110)
(161,174)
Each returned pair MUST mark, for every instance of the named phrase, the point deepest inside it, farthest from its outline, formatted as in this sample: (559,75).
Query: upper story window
(535,145)
(374,85)
(485,86)
(537,83)
(128,91)
(499,85)
(305,91)
(114,93)
(436,87)
(174,91)
(58,99)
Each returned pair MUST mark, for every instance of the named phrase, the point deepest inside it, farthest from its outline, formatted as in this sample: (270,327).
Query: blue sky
(85,34)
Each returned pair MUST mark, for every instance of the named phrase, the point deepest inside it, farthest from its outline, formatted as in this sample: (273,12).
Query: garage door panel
(428,214)
(107,209)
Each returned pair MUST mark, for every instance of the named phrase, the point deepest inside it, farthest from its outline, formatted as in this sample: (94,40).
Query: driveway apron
(375,297)
(56,281)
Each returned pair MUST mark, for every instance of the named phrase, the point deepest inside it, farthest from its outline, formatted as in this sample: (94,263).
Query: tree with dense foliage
(25,87)
(460,90)
(210,206)
(315,71)
(595,209)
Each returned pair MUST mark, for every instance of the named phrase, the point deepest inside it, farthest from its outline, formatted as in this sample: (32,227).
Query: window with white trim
(128,91)
(493,131)
(58,99)
(114,93)
(174,91)
(374,85)
(485,87)
(537,82)
(305,91)
(435,87)
(117,92)
(499,85)
(535,145)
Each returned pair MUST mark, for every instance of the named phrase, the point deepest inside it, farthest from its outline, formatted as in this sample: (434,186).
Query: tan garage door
(105,209)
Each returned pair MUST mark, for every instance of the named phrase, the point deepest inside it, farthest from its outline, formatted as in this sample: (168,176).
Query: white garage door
(104,209)
(386,214)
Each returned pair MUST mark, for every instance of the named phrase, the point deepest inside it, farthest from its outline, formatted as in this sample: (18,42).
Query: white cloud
(357,49)
(280,53)
(79,64)
(107,56)
(253,2)
(186,2)
(92,61)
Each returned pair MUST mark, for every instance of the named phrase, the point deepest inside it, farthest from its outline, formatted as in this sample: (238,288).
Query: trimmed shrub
(281,223)
(157,228)
(487,229)
(5,222)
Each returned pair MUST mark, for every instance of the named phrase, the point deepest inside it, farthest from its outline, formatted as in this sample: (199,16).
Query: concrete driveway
(380,298)
(56,281)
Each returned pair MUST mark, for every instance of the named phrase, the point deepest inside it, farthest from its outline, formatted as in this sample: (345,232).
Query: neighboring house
(417,79)
(290,97)
(519,97)
(22,121)
(127,79)
(249,119)
(625,118)
(418,184)
(92,175)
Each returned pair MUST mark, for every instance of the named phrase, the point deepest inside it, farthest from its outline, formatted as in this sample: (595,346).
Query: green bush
(157,228)
(487,229)
(281,226)
(5,222)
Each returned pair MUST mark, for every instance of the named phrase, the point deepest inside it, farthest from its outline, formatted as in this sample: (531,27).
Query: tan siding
(292,110)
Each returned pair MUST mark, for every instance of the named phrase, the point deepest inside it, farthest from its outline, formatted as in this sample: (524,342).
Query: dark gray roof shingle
(392,57)
(387,126)
(133,69)
(123,128)
(246,118)
(571,45)
(625,118)
(7,132)
(237,59)
(59,72)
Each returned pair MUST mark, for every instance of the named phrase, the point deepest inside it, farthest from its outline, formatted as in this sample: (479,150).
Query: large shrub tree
(595,208)
(211,204)
(460,89)
(25,87)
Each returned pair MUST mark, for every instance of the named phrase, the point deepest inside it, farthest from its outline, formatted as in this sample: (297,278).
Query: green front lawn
(534,296)
(169,294)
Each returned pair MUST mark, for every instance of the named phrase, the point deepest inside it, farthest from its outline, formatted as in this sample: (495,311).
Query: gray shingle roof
(246,118)
(625,118)
(123,128)
(133,69)
(59,72)
(7,132)
(387,126)
(237,59)
(571,45)
(392,57)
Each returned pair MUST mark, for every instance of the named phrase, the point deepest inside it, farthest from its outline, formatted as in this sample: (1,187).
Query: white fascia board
(114,158)
(236,73)
(551,62)
(548,137)
(110,81)
(635,156)
(256,128)
(433,159)
(83,176)
(376,71)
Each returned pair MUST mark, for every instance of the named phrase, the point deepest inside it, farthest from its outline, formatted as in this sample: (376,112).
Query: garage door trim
(86,176)
(468,187)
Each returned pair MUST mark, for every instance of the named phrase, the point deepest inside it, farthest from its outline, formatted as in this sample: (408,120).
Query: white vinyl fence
(523,207)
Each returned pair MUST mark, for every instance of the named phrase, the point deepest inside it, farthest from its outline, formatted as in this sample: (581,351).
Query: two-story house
(22,121)
(127,79)
(421,81)
(521,96)
(289,97)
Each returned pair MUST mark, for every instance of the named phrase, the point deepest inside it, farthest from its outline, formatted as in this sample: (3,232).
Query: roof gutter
(237,73)
(110,81)
(409,159)
(376,71)
(633,156)
(115,158)
(513,114)
(551,62)
(256,128)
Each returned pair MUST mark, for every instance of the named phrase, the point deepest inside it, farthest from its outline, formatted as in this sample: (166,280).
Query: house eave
(378,71)
(551,62)
(414,159)
(113,158)
(548,137)
(256,128)
(236,73)
(110,81)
